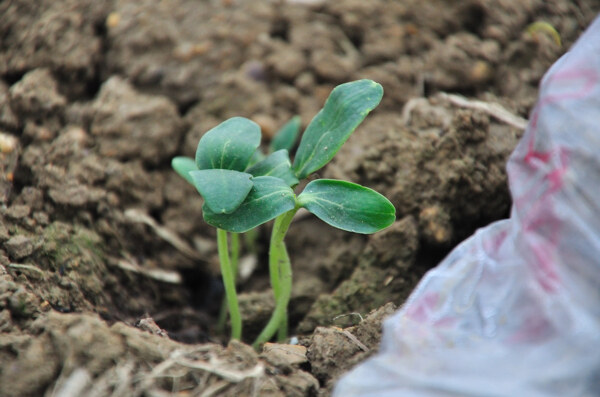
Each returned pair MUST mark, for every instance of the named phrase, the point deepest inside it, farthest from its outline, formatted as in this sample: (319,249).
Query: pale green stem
(250,238)
(229,283)
(235,255)
(280,270)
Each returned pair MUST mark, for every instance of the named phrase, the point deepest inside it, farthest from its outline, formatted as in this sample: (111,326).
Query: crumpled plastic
(515,309)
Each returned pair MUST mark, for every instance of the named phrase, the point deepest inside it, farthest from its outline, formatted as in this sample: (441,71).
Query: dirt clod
(131,124)
(333,351)
(19,246)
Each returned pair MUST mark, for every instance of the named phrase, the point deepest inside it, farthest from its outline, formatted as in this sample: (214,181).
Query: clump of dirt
(333,351)
(97,232)
(81,355)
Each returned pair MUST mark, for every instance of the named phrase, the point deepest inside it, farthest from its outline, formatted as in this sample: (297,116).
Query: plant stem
(235,255)
(250,238)
(229,283)
(280,270)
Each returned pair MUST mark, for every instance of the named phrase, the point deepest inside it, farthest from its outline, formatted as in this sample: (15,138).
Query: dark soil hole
(185,326)
(206,290)
(185,106)
(192,323)
(430,256)
(473,17)
(356,37)
(12,78)
(280,29)
(466,230)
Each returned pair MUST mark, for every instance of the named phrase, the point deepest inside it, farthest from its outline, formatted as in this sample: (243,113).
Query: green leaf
(277,164)
(347,206)
(183,166)
(256,157)
(347,106)
(286,137)
(223,190)
(269,198)
(229,146)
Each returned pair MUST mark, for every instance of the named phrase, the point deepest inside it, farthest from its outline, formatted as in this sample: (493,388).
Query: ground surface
(109,282)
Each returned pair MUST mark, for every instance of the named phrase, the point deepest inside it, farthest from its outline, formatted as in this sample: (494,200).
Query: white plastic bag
(515,309)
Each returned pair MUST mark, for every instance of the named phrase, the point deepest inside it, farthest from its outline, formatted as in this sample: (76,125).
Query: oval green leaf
(347,106)
(269,198)
(286,137)
(183,166)
(229,146)
(223,190)
(276,164)
(348,206)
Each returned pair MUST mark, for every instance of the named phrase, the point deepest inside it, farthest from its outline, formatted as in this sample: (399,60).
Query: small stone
(435,225)
(149,325)
(41,218)
(17,211)
(288,63)
(279,354)
(37,94)
(23,303)
(19,247)
(31,196)
(331,66)
(112,20)
(129,124)
(305,82)
(8,143)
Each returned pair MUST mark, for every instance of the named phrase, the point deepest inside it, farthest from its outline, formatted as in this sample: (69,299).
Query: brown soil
(109,282)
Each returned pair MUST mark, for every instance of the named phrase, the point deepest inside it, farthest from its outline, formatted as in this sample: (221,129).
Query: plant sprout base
(229,283)
(280,271)
(234,260)
(242,188)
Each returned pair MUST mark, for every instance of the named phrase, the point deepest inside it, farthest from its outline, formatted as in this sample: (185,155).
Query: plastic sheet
(515,309)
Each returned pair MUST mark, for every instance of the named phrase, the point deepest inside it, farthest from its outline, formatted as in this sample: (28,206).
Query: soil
(109,280)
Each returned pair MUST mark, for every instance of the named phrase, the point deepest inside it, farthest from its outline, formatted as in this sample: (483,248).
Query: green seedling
(284,139)
(544,27)
(240,195)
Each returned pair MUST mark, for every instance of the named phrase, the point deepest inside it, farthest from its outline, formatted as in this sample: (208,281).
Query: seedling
(239,197)
(285,138)
(544,27)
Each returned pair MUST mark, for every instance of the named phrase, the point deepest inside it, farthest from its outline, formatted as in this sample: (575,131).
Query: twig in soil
(75,384)
(157,372)
(352,338)
(493,109)
(157,274)
(162,232)
(121,379)
(349,314)
(214,389)
(117,381)
(39,274)
(222,371)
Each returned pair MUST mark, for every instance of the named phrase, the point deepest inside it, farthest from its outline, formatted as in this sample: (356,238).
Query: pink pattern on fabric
(555,161)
